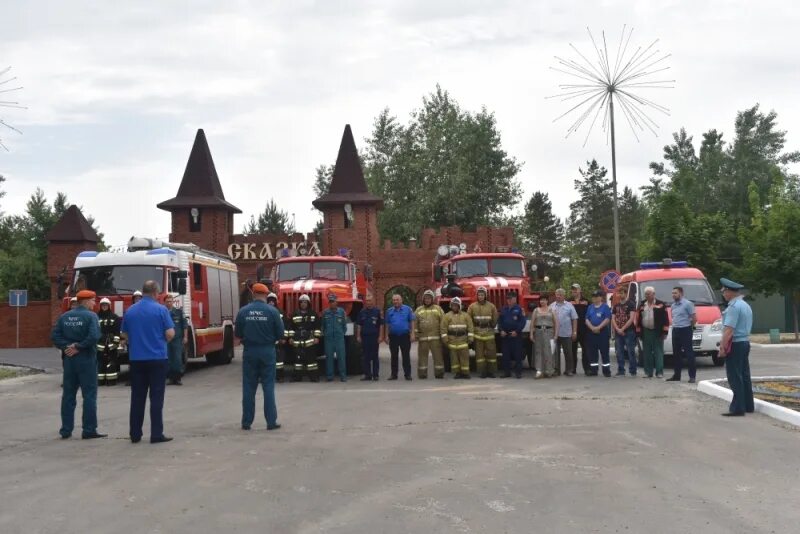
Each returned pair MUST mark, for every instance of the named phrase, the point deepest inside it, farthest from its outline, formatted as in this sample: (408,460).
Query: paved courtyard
(561,455)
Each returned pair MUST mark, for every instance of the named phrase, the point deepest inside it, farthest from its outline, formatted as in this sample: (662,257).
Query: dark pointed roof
(200,187)
(347,185)
(72,227)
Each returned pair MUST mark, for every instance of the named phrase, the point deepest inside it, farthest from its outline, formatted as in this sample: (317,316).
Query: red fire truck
(499,272)
(206,283)
(317,277)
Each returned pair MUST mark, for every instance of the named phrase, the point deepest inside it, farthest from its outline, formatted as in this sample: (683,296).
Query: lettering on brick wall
(269,251)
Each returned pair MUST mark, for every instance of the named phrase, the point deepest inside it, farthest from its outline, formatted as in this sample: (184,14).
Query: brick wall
(34,326)
(61,258)
(216,227)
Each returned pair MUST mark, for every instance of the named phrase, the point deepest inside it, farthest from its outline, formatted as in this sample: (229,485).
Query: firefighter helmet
(272,296)
(137,293)
(304,298)
(105,300)
(482,290)
(456,300)
(429,293)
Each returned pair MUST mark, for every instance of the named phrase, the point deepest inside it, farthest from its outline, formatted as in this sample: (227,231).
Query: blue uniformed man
(368,333)
(683,321)
(175,347)
(259,326)
(76,333)
(334,328)
(735,348)
(511,324)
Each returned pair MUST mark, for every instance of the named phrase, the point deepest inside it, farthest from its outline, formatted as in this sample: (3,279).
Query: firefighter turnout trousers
(303,334)
(431,345)
(457,332)
(484,319)
(486,355)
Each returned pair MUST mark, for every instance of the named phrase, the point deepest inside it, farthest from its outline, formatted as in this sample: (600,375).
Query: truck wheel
(719,362)
(355,356)
(225,356)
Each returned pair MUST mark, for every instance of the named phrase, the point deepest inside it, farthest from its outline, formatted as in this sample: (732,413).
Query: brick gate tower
(349,210)
(200,213)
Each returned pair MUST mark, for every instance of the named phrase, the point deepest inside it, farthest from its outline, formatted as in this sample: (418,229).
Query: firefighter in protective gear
(303,335)
(457,333)
(280,344)
(137,296)
(108,344)
(429,326)
(484,318)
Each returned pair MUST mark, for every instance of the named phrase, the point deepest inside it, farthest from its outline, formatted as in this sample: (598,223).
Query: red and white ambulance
(667,274)
(206,283)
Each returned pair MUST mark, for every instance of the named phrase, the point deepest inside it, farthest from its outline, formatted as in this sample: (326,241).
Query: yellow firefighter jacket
(429,322)
(457,330)
(484,318)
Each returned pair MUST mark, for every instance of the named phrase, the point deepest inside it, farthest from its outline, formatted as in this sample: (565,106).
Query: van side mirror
(182,286)
(438,272)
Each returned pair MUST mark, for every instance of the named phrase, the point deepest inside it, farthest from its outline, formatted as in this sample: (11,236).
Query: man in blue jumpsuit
(735,348)
(334,328)
(368,330)
(76,333)
(259,326)
(511,324)
(175,347)
(598,319)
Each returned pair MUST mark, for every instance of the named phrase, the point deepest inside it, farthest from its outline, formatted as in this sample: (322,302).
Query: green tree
(445,167)
(270,221)
(771,245)
(23,245)
(540,233)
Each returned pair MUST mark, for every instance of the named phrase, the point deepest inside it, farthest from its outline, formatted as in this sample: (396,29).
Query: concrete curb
(776,345)
(712,387)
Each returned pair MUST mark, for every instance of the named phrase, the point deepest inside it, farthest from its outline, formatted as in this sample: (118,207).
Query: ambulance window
(197,276)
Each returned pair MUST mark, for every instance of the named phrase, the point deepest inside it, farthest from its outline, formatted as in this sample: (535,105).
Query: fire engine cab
(206,284)
(457,273)
(317,277)
(667,274)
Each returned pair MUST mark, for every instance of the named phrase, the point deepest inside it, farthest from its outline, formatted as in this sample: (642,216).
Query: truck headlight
(716,326)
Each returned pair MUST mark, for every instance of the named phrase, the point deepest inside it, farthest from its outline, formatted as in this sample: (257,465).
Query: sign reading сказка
(270,251)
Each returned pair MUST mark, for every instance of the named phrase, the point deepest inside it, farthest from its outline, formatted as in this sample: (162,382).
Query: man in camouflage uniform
(484,318)
(429,323)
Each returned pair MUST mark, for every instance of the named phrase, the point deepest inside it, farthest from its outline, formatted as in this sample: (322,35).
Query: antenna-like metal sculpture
(607,81)
(4,79)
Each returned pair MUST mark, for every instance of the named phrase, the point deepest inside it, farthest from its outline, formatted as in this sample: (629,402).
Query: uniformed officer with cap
(334,328)
(511,323)
(76,333)
(735,348)
(259,326)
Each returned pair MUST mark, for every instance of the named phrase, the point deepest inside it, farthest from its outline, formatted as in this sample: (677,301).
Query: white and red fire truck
(207,285)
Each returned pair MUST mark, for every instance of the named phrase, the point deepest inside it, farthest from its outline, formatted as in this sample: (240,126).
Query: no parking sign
(610,280)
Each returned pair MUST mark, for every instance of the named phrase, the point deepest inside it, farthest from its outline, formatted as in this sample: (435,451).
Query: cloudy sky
(115,94)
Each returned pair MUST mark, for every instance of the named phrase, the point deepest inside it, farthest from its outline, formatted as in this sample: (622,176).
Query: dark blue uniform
(259,326)
(512,319)
(370,321)
(599,343)
(82,328)
(175,347)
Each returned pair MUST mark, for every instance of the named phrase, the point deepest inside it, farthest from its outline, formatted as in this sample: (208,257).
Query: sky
(115,91)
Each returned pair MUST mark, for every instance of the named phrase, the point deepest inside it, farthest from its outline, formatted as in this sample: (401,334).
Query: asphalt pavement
(560,455)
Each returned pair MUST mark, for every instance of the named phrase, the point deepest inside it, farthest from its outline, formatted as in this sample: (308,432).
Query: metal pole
(614,180)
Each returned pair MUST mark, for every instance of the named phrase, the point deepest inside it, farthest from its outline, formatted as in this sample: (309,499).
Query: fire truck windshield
(319,270)
(508,267)
(117,279)
(471,267)
(695,289)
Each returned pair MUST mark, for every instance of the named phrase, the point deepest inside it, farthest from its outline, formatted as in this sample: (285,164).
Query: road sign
(609,280)
(18,298)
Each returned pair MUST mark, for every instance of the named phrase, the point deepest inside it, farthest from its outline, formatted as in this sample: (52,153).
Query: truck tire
(355,356)
(225,356)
